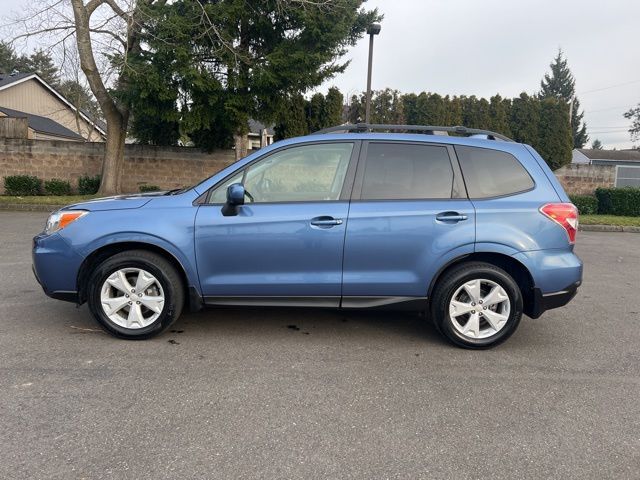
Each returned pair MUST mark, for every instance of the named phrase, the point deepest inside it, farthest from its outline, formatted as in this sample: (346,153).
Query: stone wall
(583,179)
(166,167)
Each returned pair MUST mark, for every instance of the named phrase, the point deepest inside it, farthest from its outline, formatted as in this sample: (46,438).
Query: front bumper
(56,266)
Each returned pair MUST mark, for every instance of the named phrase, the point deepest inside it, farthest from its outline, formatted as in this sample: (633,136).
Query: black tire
(156,265)
(454,279)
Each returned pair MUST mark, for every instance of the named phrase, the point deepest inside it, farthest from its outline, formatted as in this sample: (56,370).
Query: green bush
(22,185)
(57,187)
(88,185)
(619,201)
(149,188)
(587,204)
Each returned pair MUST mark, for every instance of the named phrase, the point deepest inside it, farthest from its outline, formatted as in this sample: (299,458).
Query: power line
(609,87)
(610,108)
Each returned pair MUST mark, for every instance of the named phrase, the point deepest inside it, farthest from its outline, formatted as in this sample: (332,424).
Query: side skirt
(377,302)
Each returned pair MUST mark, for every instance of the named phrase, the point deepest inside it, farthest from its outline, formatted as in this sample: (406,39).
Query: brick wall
(166,167)
(584,179)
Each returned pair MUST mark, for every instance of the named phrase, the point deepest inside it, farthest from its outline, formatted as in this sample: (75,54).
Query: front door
(285,245)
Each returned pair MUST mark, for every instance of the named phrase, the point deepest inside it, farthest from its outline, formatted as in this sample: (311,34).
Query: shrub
(88,185)
(149,188)
(57,187)
(22,185)
(619,201)
(587,204)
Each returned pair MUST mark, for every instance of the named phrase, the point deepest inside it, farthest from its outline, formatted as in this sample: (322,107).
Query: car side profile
(471,227)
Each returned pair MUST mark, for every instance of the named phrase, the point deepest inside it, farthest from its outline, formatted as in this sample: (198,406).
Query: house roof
(42,124)
(612,155)
(257,127)
(7,81)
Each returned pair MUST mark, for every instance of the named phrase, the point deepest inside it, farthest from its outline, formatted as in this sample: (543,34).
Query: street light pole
(374,29)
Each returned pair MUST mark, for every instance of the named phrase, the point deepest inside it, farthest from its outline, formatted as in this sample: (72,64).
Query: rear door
(409,214)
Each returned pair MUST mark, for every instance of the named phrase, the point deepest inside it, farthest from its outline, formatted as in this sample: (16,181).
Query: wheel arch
(102,253)
(518,271)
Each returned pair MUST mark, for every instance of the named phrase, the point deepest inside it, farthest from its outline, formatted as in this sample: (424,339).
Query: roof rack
(426,129)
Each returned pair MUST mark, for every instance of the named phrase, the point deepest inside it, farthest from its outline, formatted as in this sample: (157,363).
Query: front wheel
(135,294)
(477,305)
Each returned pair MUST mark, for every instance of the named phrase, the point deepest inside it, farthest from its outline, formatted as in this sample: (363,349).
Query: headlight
(59,220)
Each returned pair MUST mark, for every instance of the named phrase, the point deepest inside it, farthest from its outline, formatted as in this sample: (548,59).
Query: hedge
(22,185)
(88,185)
(587,204)
(149,188)
(57,187)
(619,201)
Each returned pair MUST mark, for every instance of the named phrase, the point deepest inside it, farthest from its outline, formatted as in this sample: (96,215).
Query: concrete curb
(609,228)
(24,207)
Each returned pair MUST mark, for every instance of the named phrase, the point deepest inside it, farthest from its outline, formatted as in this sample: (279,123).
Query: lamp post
(374,29)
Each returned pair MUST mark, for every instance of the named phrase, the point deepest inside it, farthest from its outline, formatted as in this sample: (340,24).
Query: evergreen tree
(561,84)
(315,112)
(554,133)
(596,145)
(524,119)
(261,54)
(499,110)
(40,62)
(292,120)
(356,109)
(333,108)
(8,58)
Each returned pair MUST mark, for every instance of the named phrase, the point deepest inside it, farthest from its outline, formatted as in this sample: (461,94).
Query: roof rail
(426,129)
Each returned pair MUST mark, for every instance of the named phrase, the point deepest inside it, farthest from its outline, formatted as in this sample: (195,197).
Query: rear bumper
(547,301)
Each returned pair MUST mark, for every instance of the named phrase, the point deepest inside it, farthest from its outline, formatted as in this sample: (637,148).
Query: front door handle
(451,217)
(325,222)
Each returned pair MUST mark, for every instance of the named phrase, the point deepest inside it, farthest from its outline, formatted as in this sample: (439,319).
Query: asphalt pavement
(274,393)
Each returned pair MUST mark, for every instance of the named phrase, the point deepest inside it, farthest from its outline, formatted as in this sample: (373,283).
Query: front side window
(406,171)
(492,173)
(298,174)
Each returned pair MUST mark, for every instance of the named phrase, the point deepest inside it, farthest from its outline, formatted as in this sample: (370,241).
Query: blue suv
(470,227)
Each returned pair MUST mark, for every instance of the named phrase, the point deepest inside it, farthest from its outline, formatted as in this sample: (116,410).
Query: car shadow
(273,322)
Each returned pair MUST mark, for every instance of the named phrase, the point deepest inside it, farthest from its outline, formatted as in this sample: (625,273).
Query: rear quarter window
(492,173)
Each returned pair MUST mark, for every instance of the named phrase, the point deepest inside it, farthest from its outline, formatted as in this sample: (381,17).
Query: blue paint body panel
(381,248)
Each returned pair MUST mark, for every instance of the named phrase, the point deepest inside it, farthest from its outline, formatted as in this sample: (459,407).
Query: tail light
(565,215)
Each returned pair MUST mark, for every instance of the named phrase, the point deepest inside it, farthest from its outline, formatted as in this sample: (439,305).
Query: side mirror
(235,198)
(235,194)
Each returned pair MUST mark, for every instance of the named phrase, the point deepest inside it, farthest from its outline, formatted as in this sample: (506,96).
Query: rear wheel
(135,294)
(477,305)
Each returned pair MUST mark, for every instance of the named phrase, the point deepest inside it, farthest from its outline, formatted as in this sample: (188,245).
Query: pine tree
(499,115)
(333,106)
(560,83)
(315,112)
(524,119)
(596,145)
(554,133)
(292,120)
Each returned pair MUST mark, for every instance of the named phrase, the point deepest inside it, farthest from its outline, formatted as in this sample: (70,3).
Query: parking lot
(320,394)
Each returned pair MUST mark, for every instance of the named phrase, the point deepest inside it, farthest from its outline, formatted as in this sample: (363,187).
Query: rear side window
(404,171)
(491,173)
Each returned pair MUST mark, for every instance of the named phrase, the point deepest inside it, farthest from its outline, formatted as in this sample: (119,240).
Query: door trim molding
(272,301)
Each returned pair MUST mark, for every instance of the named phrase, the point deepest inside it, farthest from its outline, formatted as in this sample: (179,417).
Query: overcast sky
(471,47)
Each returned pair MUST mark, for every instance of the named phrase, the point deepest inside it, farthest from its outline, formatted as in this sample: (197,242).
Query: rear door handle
(451,217)
(325,222)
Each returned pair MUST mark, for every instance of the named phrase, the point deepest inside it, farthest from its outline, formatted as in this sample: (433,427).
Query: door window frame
(347,185)
(458,189)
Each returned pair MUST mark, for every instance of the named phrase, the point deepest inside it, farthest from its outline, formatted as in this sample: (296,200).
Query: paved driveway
(303,394)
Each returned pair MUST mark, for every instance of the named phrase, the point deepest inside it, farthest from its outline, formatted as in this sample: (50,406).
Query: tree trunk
(240,141)
(113,159)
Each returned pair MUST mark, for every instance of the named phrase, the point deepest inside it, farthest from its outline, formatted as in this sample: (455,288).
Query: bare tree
(105,33)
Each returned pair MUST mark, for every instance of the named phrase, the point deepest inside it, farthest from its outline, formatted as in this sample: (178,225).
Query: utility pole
(374,29)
